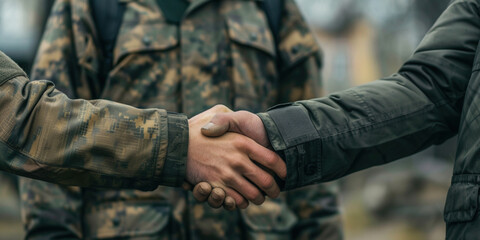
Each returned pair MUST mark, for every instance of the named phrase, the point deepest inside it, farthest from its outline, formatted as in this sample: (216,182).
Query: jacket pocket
(462,203)
(152,35)
(113,220)
(253,33)
(253,68)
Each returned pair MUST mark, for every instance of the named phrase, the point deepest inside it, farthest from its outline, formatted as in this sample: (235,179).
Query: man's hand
(226,162)
(243,122)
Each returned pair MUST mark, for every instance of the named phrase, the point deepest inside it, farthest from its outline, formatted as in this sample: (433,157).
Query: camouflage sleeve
(327,138)
(47,136)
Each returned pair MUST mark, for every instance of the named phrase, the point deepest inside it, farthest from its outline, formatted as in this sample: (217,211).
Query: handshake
(229,159)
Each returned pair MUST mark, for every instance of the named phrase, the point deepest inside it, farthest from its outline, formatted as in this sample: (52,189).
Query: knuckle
(241,143)
(238,163)
(237,143)
(228,176)
(235,163)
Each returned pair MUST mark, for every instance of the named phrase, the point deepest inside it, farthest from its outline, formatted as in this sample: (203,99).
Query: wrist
(174,164)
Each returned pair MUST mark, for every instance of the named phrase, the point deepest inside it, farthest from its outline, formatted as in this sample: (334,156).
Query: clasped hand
(227,167)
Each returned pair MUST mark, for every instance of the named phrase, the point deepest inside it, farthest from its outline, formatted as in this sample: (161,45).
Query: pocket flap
(252,34)
(462,202)
(150,36)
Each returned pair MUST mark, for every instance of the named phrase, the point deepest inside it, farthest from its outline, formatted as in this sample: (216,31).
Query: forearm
(45,135)
(346,134)
(387,119)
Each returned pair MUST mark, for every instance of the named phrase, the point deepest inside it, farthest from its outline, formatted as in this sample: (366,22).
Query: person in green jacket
(433,97)
(47,136)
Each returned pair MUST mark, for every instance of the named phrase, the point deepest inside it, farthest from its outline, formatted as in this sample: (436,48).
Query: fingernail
(208,126)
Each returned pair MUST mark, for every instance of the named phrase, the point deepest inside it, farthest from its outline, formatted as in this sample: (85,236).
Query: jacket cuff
(296,140)
(172,172)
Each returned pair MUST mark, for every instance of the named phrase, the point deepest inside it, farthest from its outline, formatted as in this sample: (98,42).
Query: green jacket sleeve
(327,138)
(47,136)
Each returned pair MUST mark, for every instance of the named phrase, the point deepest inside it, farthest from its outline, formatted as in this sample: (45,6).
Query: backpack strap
(108,16)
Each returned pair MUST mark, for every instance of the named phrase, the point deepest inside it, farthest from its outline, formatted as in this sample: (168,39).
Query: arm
(327,138)
(47,136)
(59,60)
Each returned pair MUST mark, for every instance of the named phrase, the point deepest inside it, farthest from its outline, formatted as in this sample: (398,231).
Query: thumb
(217,126)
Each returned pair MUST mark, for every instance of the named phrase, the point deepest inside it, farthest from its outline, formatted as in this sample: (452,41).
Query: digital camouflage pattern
(47,136)
(221,52)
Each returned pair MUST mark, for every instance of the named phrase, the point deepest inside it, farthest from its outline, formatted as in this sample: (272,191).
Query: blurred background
(361,41)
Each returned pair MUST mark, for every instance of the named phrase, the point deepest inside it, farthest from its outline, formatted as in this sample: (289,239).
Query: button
(310,169)
(116,222)
(89,59)
(295,49)
(147,40)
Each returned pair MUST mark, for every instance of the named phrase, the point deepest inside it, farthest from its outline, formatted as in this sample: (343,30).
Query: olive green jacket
(434,96)
(45,135)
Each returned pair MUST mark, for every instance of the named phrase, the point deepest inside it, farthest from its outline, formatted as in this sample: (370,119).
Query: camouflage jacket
(47,136)
(221,52)
(433,97)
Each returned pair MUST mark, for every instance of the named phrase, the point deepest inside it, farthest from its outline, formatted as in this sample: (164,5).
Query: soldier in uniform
(184,58)
(45,135)
(433,97)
